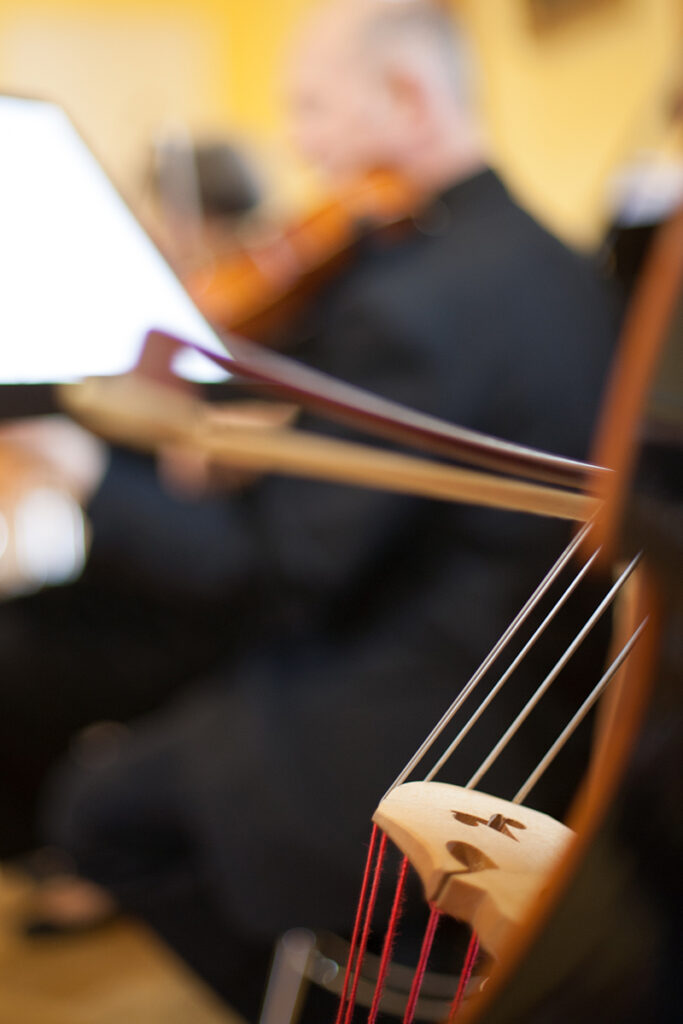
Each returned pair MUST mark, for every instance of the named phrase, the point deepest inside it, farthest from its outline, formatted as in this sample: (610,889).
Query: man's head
(384,84)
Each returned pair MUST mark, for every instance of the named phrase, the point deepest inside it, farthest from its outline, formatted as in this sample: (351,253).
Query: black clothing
(372,609)
(148,613)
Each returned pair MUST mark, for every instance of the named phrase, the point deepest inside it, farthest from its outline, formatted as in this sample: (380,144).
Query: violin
(262,287)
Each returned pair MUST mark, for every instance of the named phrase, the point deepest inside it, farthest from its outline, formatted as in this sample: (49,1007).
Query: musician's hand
(70,457)
(190,473)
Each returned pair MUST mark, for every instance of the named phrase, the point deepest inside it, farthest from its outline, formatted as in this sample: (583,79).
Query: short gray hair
(437,30)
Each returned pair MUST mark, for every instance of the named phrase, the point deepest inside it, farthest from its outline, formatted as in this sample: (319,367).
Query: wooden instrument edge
(644,334)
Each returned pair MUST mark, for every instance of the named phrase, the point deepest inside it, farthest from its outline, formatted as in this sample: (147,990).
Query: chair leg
(288,979)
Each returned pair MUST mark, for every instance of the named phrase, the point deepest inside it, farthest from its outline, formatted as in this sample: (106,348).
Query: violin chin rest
(481,859)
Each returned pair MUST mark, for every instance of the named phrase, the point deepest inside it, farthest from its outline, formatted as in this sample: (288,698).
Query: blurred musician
(242,809)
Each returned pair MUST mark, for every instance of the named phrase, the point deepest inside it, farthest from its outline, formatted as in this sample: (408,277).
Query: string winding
(466,974)
(388,948)
(357,923)
(421,969)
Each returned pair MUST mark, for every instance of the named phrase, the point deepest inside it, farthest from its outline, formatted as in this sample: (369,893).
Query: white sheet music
(80,281)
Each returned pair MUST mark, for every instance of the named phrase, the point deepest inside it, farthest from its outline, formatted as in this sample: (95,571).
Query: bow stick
(134,410)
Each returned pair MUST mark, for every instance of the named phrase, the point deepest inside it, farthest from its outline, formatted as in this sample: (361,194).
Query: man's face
(339,113)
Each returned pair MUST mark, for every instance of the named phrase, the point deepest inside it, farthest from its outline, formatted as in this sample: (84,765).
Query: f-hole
(471,859)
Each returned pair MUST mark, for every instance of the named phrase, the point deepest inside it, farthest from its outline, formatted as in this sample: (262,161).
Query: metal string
(470,686)
(550,678)
(568,730)
(508,672)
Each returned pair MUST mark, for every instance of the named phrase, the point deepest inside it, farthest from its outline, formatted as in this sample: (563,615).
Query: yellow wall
(123,69)
(566,106)
(128,69)
(563,108)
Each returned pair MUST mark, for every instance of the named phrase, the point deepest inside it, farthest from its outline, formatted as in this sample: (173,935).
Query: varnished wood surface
(120,974)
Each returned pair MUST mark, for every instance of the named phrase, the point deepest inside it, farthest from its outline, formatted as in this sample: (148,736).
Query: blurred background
(183,103)
(574,88)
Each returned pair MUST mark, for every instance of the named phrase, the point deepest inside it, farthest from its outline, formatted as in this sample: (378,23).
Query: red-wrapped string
(366,928)
(357,923)
(389,940)
(466,974)
(421,968)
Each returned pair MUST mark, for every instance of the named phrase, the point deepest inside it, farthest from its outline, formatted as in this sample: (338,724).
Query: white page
(80,281)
